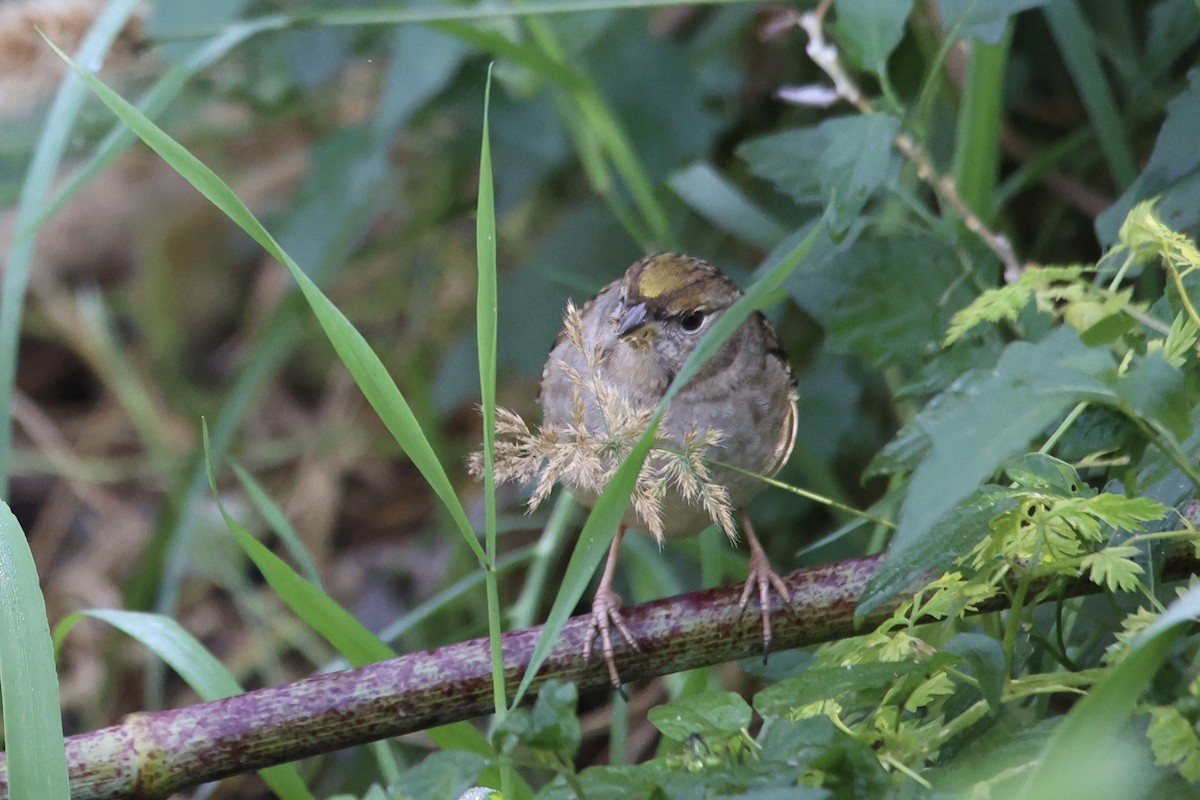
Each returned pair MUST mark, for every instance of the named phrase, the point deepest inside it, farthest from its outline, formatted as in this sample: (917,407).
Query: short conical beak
(633,318)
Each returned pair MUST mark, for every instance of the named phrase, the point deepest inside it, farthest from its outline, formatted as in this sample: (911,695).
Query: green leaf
(33,731)
(318,610)
(710,714)
(1155,390)
(279,523)
(985,20)
(1039,472)
(1125,513)
(858,161)
(1114,568)
(869,30)
(485,333)
(789,160)
(1031,386)
(446,773)
(1173,172)
(713,197)
(168,640)
(1175,742)
(898,297)
(844,160)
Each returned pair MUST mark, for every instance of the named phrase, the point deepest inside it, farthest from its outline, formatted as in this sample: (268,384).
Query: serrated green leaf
(1114,568)
(1180,343)
(1174,741)
(860,159)
(1125,513)
(900,291)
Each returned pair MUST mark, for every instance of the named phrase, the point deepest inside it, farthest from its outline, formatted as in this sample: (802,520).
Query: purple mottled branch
(152,754)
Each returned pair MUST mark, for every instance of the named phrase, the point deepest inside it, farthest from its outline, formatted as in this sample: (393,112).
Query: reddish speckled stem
(152,754)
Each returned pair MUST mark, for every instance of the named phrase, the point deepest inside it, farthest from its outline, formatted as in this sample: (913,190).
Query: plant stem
(152,754)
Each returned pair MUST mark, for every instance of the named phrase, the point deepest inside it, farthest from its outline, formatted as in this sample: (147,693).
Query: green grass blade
(318,610)
(606,515)
(51,145)
(362,362)
(207,676)
(485,337)
(33,734)
(977,137)
(278,521)
(1073,33)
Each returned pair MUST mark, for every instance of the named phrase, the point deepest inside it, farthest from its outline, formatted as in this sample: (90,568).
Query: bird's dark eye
(692,321)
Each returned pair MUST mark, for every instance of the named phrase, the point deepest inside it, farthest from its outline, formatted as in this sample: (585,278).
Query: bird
(627,345)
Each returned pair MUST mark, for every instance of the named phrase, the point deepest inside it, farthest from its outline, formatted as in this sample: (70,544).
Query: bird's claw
(765,579)
(606,612)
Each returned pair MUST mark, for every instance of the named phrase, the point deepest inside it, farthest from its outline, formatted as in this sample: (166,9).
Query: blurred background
(614,133)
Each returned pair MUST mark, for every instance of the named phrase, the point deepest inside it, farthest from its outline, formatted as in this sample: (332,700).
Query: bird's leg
(606,611)
(761,575)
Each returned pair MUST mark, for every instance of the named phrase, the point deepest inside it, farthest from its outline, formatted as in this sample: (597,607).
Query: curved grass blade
(275,518)
(33,734)
(362,362)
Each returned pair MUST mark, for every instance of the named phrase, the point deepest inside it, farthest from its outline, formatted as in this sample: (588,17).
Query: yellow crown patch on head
(675,284)
(664,273)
